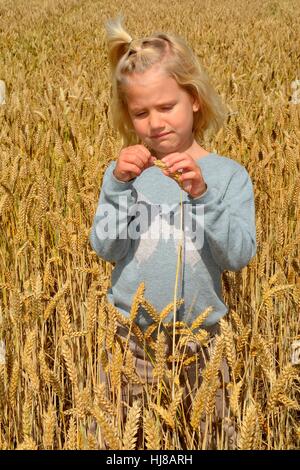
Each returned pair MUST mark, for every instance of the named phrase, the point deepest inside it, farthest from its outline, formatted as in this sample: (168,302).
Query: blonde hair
(127,55)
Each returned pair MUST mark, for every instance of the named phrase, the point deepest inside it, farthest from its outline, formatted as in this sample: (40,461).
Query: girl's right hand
(132,161)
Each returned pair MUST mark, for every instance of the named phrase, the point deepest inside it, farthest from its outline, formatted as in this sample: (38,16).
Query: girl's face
(157,105)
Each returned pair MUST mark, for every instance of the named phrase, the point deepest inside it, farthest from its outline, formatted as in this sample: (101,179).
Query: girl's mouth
(161,135)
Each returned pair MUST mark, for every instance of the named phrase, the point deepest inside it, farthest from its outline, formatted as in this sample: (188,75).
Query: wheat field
(56,140)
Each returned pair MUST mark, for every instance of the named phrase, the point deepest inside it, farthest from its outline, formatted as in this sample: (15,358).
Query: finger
(129,167)
(136,160)
(145,156)
(150,161)
(180,166)
(141,147)
(190,175)
(143,151)
(187,186)
(172,158)
(175,157)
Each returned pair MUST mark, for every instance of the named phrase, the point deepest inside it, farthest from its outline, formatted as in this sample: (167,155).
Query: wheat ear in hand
(174,176)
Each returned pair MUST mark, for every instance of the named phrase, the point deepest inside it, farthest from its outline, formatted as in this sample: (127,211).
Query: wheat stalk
(160,356)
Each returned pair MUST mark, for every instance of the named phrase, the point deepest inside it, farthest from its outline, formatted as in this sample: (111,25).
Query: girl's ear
(196,105)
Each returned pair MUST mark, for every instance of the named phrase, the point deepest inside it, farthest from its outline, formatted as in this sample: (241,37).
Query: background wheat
(56,140)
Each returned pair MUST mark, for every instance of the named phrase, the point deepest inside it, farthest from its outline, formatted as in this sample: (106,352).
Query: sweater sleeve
(109,233)
(229,221)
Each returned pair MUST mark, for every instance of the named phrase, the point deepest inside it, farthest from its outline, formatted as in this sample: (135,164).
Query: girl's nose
(155,122)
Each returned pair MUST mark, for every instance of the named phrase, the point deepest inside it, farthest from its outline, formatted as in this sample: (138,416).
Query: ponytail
(118,41)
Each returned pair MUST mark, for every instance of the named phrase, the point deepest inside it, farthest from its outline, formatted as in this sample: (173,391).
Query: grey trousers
(190,380)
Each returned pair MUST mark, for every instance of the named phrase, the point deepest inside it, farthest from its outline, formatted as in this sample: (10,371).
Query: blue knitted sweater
(138,225)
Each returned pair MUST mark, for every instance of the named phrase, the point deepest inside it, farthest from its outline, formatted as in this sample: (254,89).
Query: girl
(162,104)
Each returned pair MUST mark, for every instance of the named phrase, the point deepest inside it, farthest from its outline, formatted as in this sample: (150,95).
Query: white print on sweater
(151,224)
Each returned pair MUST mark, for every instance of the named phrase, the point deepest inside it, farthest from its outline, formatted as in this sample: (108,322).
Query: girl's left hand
(191,178)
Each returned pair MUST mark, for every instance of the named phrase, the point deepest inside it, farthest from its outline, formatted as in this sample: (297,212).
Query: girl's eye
(138,115)
(166,108)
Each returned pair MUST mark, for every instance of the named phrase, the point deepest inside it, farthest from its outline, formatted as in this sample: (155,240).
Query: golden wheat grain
(112,327)
(71,441)
(229,342)
(104,359)
(64,317)
(154,314)
(262,259)
(108,429)
(27,416)
(189,360)
(49,424)
(102,399)
(150,330)
(249,429)
(27,444)
(29,363)
(165,414)
(71,368)
(165,311)
(176,401)
(242,338)
(234,396)
(185,338)
(202,337)
(238,367)
(115,366)
(129,368)
(152,431)
(2,384)
(132,426)
(138,333)
(260,348)
(283,383)
(213,365)
(77,334)
(55,383)
(200,318)
(118,315)
(212,387)
(137,300)
(92,442)
(198,406)
(45,372)
(288,402)
(53,302)
(274,291)
(14,382)
(83,402)
(205,396)
(16,307)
